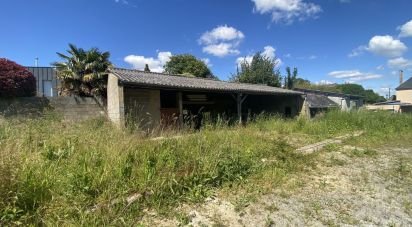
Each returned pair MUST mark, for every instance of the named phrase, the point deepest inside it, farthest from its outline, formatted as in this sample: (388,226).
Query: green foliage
(189,65)
(302,83)
(83,72)
(290,79)
(354,89)
(83,174)
(261,70)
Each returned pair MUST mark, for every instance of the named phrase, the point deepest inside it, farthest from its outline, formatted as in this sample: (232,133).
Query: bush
(15,80)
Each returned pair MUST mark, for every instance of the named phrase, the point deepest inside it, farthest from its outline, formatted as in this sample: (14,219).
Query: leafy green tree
(146,68)
(372,97)
(290,78)
(83,72)
(261,70)
(188,65)
(302,83)
(353,89)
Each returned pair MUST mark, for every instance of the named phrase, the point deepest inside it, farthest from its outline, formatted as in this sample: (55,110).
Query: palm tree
(83,72)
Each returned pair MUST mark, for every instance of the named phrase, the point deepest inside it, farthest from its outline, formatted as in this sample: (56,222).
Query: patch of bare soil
(351,186)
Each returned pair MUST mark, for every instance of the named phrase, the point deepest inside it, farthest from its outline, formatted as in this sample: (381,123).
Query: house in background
(321,100)
(404,96)
(403,102)
(152,99)
(46,81)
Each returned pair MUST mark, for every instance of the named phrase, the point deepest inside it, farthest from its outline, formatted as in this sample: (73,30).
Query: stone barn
(155,99)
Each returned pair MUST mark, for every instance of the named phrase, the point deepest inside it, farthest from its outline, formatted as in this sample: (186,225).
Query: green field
(59,173)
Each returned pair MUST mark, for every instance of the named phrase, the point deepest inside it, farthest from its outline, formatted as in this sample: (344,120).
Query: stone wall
(115,101)
(77,108)
(404,96)
(70,108)
(142,107)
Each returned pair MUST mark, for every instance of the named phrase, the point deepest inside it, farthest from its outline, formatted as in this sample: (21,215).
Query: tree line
(84,72)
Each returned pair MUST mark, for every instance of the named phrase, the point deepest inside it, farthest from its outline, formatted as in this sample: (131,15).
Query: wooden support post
(239,107)
(239,101)
(180,103)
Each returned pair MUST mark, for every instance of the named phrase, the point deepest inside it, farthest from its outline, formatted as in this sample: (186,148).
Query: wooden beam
(243,99)
(180,103)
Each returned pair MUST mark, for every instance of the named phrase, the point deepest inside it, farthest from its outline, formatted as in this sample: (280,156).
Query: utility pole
(389,96)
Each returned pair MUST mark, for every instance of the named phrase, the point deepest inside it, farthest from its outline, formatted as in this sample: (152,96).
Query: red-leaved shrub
(15,80)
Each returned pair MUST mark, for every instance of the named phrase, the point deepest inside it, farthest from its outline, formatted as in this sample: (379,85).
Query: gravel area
(350,187)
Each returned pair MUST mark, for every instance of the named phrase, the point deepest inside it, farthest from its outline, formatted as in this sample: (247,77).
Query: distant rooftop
(407,85)
(168,81)
(327,93)
(319,101)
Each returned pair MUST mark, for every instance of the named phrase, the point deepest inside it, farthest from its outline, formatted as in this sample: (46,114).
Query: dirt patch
(351,186)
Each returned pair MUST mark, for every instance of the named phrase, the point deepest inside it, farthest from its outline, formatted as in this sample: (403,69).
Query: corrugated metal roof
(161,80)
(319,101)
(407,85)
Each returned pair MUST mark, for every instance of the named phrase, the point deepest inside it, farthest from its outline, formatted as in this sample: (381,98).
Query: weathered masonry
(155,99)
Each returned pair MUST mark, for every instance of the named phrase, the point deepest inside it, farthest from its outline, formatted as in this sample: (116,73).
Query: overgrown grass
(58,173)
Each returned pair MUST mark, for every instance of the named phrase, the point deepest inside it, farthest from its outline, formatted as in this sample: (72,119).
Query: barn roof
(407,85)
(168,81)
(319,101)
(327,93)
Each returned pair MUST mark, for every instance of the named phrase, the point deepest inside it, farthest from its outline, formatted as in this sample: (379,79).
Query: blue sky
(359,41)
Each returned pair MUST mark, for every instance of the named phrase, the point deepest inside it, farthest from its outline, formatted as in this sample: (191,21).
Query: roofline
(331,106)
(144,85)
(164,74)
(328,93)
(151,86)
(40,67)
(402,89)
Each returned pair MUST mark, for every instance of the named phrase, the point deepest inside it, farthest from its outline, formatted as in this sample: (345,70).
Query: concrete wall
(344,103)
(142,107)
(77,108)
(115,101)
(404,96)
(70,108)
(391,108)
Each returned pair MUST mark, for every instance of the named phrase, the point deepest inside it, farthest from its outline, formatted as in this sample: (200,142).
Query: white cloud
(400,63)
(357,51)
(268,51)
(344,1)
(353,76)
(386,46)
(122,1)
(313,57)
(221,49)
(380,67)
(248,59)
(222,41)
(287,10)
(155,64)
(221,33)
(207,62)
(406,29)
